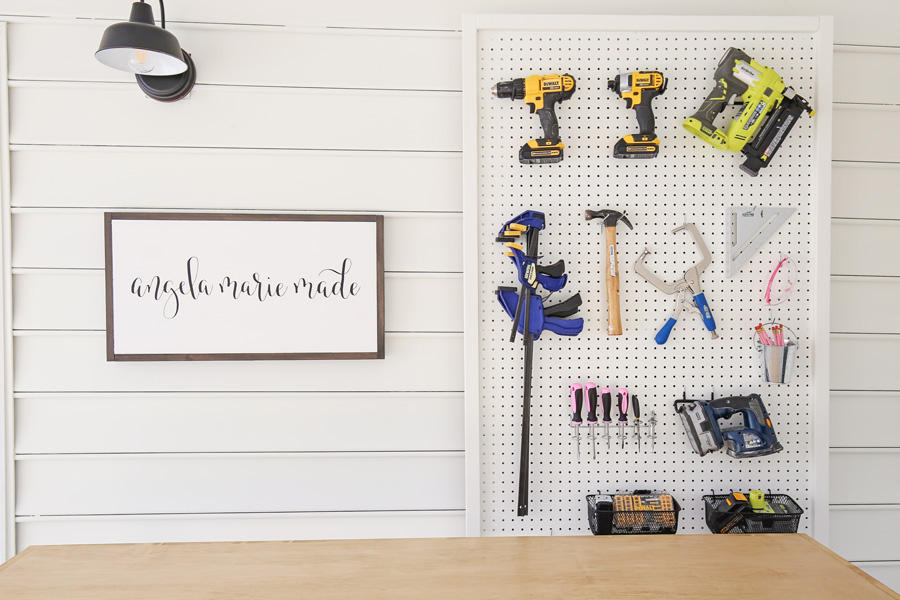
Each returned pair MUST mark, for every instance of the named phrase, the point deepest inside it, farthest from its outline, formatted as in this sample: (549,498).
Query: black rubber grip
(645,117)
(592,405)
(735,403)
(579,402)
(557,269)
(564,309)
(713,105)
(548,119)
(607,406)
(636,407)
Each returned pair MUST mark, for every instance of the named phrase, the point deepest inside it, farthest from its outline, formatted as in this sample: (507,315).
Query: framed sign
(190,286)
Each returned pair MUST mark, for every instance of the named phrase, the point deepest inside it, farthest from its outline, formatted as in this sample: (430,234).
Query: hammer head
(610,217)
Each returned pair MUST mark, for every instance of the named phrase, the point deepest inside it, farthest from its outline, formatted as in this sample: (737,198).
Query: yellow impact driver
(541,93)
(638,89)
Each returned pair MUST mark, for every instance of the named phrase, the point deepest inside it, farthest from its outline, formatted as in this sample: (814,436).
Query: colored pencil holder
(777,362)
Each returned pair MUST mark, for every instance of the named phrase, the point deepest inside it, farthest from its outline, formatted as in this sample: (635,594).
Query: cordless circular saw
(755,437)
(770,111)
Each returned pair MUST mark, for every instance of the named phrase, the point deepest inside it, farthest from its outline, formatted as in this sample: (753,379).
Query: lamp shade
(140,47)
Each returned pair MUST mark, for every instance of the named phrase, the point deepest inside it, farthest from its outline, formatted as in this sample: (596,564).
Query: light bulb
(139,63)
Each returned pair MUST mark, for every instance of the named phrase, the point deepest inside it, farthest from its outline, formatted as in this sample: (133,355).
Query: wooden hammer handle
(612,283)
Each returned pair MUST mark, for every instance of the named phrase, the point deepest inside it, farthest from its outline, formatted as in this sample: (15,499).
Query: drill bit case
(785,519)
(641,512)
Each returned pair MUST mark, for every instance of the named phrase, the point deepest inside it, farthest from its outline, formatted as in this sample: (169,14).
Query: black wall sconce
(163,70)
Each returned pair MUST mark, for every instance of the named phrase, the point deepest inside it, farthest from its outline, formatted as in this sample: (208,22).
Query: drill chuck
(514,89)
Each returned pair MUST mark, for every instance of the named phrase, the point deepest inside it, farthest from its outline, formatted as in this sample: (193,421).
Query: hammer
(610,218)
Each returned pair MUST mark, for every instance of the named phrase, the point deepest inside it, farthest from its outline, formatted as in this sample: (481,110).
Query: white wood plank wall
(865,296)
(347,106)
(282,119)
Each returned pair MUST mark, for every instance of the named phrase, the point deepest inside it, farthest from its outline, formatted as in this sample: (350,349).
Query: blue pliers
(690,282)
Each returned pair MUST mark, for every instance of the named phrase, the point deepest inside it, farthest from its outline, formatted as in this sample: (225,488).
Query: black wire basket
(786,520)
(605,519)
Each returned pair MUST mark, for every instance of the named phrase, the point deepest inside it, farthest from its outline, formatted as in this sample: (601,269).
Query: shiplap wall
(363,117)
(294,119)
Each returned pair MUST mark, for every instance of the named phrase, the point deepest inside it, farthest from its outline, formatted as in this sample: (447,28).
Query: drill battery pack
(637,146)
(542,151)
(752,513)
(730,512)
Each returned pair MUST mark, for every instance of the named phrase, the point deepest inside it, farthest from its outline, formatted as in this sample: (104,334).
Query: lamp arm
(162,13)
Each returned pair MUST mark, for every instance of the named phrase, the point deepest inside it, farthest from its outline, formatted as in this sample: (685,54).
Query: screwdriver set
(624,400)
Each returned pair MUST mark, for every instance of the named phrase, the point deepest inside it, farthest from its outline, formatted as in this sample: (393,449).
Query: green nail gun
(771,110)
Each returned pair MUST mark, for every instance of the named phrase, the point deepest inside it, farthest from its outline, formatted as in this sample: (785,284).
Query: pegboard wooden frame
(7,418)
(818,30)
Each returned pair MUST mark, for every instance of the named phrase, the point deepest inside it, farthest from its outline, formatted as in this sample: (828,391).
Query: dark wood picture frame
(113,355)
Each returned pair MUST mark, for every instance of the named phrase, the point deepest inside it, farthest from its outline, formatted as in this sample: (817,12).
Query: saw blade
(749,229)
(698,428)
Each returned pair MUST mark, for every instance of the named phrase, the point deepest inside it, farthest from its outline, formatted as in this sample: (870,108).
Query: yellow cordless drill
(638,89)
(541,93)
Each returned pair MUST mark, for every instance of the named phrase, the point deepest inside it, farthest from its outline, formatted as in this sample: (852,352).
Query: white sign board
(244,287)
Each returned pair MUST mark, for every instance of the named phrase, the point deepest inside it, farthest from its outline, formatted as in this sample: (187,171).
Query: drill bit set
(637,512)
(577,395)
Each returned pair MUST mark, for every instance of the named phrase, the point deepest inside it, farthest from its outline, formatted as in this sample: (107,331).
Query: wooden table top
(570,568)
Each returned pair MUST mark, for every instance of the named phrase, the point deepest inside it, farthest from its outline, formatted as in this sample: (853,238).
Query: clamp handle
(705,312)
(662,336)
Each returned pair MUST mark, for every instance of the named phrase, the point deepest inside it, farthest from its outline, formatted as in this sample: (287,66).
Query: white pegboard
(689,181)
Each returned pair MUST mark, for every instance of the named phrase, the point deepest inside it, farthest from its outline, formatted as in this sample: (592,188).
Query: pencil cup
(778,362)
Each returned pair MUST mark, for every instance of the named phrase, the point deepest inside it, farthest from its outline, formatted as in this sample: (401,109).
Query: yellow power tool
(541,93)
(770,111)
(638,89)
